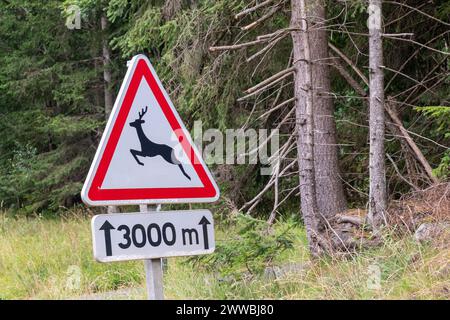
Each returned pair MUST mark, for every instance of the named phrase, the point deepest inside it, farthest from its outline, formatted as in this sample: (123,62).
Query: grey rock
(430,231)
(279,272)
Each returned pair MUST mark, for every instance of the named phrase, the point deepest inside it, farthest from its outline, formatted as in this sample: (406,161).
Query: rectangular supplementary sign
(134,236)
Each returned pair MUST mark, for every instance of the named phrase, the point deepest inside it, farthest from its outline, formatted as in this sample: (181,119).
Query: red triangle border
(95,193)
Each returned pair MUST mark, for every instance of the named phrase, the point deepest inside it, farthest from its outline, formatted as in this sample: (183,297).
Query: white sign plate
(134,236)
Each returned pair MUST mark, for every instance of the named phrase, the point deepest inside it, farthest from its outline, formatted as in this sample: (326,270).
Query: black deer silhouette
(152,149)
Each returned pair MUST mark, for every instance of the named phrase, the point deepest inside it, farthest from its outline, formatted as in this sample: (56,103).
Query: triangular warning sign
(146,155)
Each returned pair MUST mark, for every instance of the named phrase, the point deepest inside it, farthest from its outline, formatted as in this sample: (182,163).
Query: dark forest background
(53,89)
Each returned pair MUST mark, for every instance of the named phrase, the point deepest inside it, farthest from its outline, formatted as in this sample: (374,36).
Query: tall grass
(43,258)
(52,258)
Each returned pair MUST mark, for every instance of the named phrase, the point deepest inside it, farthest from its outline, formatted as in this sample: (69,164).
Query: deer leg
(184,172)
(168,155)
(136,153)
(173,159)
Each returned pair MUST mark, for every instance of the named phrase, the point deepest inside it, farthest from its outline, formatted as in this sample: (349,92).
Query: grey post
(112,209)
(153,267)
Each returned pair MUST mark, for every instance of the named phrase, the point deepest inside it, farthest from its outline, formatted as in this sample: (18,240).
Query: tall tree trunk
(330,191)
(305,123)
(171,8)
(377,191)
(106,53)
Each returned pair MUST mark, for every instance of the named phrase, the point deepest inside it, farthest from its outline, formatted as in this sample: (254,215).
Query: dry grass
(432,204)
(52,258)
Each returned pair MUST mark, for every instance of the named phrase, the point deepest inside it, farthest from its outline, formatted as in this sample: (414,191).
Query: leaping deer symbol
(152,149)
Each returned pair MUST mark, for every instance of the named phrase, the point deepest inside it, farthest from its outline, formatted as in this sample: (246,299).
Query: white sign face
(151,172)
(146,154)
(134,236)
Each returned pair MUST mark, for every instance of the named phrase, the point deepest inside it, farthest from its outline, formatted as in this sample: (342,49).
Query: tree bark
(305,123)
(377,188)
(171,8)
(330,191)
(106,54)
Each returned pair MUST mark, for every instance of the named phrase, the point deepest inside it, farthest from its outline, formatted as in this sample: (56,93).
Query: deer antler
(141,114)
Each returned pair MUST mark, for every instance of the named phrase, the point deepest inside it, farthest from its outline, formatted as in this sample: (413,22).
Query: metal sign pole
(153,267)
(112,209)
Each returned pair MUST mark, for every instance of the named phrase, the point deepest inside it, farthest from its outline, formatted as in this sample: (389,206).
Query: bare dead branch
(419,11)
(276,107)
(412,57)
(420,44)
(262,144)
(289,194)
(392,114)
(273,79)
(252,9)
(267,187)
(403,16)
(397,34)
(401,73)
(275,201)
(426,80)
(237,46)
(268,46)
(263,88)
(390,110)
(400,175)
(350,63)
(274,34)
(348,77)
(263,18)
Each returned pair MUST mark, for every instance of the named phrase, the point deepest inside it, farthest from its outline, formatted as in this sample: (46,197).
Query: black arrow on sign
(107,227)
(204,222)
